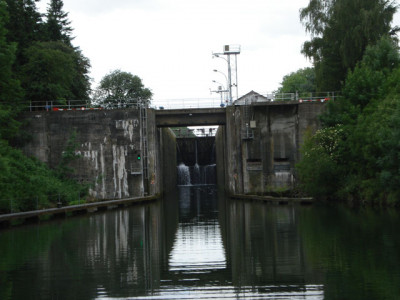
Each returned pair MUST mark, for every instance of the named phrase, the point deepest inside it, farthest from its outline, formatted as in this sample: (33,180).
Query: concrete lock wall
(256,151)
(168,151)
(262,145)
(108,143)
(220,153)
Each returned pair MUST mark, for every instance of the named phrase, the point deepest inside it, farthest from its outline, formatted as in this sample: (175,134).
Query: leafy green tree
(81,86)
(57,25)
(49,72)
(47,65)
(341,30)
(24,26)
(372,158)
(301,81)
(368,81)
(121,88)
(10,89)
(54,73)
(366,161)
(319,170)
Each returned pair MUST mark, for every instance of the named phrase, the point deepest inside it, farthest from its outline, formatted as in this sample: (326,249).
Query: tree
(301,81)
(319,170)
(341,30)
(362,163)
(57,24)
(10,89)
(24,26)
(120,87)
(368,81)
(47,64)
(58,29)
(54,73)
(81,87)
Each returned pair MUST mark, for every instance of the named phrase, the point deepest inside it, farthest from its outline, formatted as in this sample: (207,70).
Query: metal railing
(179,103)
(187,103)
(285,97)
(59,105)
(267,97)
(79,105)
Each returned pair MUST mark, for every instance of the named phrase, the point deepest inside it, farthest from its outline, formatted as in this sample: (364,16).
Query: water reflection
(266,252)
(228,249)
(198,244)
(113,253)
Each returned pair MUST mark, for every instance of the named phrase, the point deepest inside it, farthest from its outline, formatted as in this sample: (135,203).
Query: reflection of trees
(18,247)
(265,247)
(117,253)
(358,251)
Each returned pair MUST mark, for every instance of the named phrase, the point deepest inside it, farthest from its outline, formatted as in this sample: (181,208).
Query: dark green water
(198,245)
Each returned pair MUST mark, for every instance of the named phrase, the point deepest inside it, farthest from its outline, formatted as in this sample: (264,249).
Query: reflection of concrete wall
(264,244)
(262,144)
(129,243)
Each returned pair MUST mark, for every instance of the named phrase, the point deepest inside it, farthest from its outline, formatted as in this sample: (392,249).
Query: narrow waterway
(198,244)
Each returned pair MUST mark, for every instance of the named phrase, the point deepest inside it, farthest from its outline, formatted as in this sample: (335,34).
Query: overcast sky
(169,43)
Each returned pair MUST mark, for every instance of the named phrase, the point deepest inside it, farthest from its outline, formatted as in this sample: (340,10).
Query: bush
(27,184)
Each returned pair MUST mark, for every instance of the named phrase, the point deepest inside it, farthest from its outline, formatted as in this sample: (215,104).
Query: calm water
(199,245)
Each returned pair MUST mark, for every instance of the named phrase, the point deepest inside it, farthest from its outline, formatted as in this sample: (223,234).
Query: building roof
(251,97)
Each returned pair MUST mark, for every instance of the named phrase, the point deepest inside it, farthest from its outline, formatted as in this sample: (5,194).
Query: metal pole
(237,88)
(229,79)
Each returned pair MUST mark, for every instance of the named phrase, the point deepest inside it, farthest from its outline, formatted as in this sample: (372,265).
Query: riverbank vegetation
(356,155)
(39,63)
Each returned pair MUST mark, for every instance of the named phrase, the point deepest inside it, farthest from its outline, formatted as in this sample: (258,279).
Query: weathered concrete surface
(256,150)
(190,117)
(168,158)
(262,144)
(220,152)
(108,144)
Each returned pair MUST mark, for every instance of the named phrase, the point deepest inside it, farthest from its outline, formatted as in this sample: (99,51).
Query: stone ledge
(274,200)
(86,207)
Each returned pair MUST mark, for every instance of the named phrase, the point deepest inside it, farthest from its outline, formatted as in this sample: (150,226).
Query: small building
(251,97)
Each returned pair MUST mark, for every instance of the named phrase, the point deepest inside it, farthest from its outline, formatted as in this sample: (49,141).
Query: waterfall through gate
(197,174)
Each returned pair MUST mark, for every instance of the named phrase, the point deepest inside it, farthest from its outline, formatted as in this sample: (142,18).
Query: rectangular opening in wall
(281,159)
(281,164)
(253,160)
(254,164)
